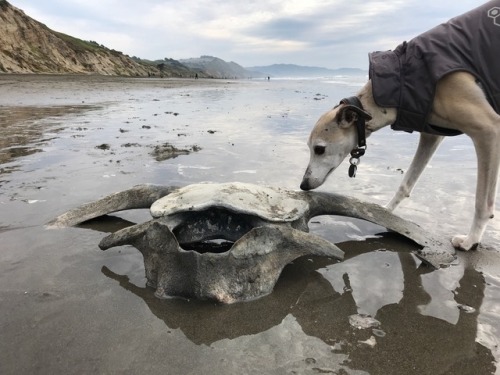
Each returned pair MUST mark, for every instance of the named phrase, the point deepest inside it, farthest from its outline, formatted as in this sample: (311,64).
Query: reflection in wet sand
(321,297)
(24,129)
(449,348)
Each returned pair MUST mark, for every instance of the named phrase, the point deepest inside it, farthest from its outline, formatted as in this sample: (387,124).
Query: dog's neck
(380,116)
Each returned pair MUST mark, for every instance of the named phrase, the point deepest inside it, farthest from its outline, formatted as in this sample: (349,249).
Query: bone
(266,203)
(267,225)
(140,196)
(269,203)
(248,271)
(434,252)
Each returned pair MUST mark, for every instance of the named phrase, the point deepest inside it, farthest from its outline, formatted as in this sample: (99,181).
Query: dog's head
(333,138)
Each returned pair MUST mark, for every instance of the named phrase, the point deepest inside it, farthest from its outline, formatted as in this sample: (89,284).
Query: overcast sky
(326,33)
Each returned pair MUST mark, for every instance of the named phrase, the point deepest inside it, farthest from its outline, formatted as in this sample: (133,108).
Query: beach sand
(68,307)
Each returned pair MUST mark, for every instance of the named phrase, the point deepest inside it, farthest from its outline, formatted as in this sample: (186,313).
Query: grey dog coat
(406,78)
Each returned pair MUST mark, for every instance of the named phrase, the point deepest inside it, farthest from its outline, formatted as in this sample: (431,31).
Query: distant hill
(217,68)
(169,67)
(290,70)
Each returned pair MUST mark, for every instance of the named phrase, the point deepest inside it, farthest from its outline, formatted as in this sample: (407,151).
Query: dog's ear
(347,115)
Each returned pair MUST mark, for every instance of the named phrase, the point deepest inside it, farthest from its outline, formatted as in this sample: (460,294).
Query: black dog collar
(359,151)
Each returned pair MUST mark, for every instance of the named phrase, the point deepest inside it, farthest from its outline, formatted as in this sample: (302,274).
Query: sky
(324,33)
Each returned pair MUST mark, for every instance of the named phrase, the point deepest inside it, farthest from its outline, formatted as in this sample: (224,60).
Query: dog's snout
(305,185)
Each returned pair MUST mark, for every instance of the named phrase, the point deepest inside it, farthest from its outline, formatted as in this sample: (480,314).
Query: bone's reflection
(321,296)
(205,322)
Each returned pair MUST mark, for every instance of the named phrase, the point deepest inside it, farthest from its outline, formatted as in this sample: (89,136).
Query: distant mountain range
(28,46)
(290,70)
(217,68)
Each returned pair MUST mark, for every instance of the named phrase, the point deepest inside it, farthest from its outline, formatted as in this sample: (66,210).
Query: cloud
(329,33)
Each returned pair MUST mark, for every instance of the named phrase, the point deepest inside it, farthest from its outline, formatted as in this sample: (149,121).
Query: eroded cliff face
(28,46)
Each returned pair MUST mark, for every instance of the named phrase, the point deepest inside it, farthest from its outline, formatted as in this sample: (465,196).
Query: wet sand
(68,307)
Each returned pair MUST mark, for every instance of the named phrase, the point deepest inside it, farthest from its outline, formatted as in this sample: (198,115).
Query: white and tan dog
(459,103)
(443,82)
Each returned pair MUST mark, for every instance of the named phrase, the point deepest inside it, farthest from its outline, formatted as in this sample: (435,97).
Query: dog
(459,98)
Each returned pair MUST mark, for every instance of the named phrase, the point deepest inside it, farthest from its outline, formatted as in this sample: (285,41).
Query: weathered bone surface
(272,204)
(140,196)
(247,271)
(267,225)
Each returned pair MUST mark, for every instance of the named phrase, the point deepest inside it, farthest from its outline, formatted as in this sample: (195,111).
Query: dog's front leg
(487,147)
(426,147)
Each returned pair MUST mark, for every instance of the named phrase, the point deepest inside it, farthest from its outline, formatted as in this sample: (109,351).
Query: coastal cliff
(28,46)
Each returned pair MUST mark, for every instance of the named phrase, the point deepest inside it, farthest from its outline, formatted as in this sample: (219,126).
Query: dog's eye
(319,150)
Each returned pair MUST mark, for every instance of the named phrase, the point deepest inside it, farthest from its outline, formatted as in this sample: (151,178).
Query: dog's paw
(463,243)
(390,207)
